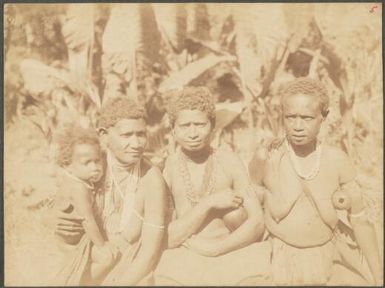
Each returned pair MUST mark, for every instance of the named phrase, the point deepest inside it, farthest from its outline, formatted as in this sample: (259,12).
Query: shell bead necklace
(294,160)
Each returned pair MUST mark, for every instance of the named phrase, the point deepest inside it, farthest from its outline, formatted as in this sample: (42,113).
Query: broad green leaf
(183,77)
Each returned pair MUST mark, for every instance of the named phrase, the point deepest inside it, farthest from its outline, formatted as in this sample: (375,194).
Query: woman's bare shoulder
(334,153)
(338,159)
(152,178)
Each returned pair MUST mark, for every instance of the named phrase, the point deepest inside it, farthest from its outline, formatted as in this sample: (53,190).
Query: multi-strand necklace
(294,160)
(208,183)
(132,172)
(127,196)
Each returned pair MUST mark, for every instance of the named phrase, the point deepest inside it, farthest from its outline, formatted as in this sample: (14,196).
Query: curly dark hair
(70,136)
(117,109)
(308,86)
(191,98)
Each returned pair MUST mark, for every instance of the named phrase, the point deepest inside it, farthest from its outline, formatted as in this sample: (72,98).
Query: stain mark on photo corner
(372,9)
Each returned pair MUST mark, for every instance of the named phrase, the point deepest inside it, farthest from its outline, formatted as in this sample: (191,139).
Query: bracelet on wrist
(358,215)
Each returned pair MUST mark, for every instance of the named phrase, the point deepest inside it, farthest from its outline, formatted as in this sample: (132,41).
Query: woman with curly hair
(217,215)
(310,184)
(131,204)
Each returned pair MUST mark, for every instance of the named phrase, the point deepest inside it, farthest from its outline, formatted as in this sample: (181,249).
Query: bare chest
(322,186)
(191,182)
(127,208)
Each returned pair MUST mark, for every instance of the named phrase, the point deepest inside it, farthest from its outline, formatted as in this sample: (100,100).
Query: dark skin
(68,225)
(192,131)
(302,120)
(126,141)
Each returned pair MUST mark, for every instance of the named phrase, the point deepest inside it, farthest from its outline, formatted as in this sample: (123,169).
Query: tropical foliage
(63,61)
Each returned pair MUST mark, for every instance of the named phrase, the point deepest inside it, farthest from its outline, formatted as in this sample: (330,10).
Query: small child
(79,156)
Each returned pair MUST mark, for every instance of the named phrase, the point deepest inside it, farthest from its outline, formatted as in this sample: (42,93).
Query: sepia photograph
(193,144)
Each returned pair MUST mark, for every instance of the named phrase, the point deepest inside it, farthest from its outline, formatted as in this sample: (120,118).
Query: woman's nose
(192,132)
(298,124)
(94,166)
(135,142)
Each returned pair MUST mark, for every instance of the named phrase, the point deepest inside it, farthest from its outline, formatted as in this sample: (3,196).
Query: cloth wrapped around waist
(116,275)
(182,266)
(302,266)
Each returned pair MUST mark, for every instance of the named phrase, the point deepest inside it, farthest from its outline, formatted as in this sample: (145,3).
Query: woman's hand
(67,225)
(224,200)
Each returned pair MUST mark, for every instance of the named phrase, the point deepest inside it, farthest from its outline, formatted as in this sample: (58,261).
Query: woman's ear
(325,114)
(103,134)
(101,131)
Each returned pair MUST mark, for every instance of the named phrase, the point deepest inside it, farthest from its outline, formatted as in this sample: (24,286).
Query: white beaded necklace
(294,160)
(133,177)
(127,196)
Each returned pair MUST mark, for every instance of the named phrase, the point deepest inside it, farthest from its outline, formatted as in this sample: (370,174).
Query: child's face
(192,130)
(302,119)
(86,163)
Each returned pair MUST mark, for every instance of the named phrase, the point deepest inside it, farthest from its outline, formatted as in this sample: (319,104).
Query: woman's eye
(126,135)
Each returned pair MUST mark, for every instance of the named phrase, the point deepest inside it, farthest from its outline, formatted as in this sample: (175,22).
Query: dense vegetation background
(62,61)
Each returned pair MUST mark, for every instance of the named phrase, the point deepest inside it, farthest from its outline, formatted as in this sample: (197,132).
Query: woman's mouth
(298,137)
(133,154)
(194,143)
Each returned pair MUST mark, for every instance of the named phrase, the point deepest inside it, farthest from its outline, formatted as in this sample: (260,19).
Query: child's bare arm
(83,204)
